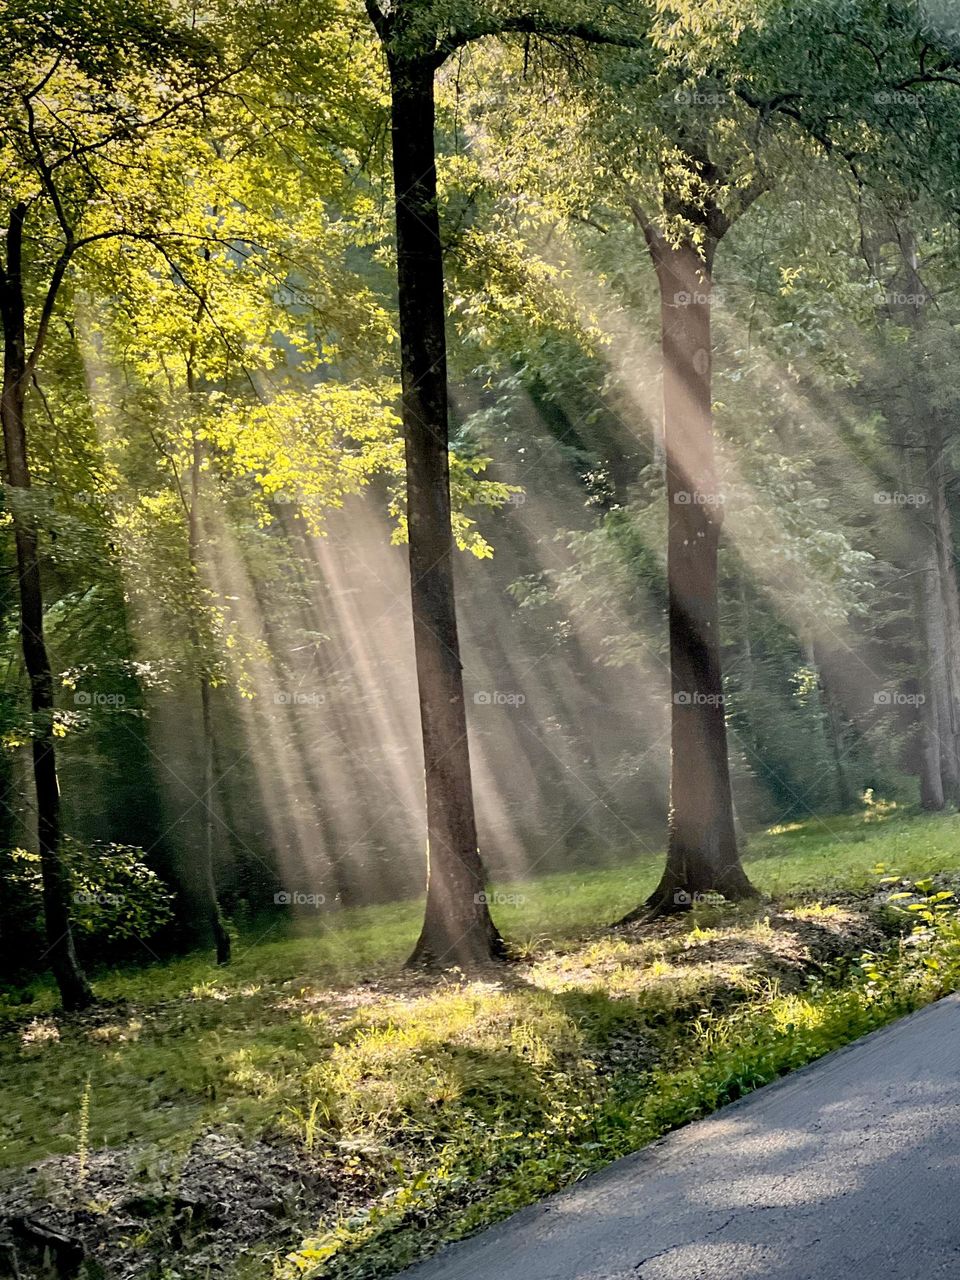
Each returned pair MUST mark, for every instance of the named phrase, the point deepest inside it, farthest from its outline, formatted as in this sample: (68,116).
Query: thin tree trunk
(215,919)
(746,626)
(939,758)
(832,721)
(938,764)
(219,930)
(943,537)
(940,678)
(845,796)
(457,925)
(702,853)
(931,754)
(74,989)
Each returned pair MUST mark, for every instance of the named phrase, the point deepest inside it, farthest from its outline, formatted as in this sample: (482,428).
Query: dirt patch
(787,947)
(129,1213)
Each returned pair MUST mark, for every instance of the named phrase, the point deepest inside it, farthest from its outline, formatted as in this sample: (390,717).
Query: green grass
(819,856)
(456,1100)
(721,1058)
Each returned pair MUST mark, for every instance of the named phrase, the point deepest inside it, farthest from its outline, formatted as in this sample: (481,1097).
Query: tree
(919,410)
(713,110)
(685,185)
(457,925)
(236,335)
(417,40)
(18,365)
(47,156)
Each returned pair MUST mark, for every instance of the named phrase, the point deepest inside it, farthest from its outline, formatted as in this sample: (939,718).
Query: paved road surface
(846,1170)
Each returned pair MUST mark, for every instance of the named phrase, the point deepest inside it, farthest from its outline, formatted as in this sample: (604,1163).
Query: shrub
(117,898)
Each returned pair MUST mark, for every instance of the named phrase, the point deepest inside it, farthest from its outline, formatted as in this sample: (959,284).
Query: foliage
(217,462)
(116,897)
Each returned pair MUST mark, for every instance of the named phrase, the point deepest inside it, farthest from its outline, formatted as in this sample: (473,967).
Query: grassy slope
(390,1079)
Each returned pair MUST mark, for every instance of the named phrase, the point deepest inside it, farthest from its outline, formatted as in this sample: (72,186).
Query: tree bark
(74,989)
(938,764)
(702,853)
(457,925)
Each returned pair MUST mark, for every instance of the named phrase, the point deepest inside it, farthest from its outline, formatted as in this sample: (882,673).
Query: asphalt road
(846,1170)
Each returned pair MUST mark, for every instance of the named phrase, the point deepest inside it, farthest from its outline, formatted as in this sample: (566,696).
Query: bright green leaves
(309,448)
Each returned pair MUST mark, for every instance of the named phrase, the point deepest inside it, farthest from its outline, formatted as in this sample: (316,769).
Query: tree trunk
(832,721)
(939,675)
(221,937)
(457,926)
(922,464)
(931,755)
(943,538)
(702,854)
(938,763)
(218,929)
(74,989)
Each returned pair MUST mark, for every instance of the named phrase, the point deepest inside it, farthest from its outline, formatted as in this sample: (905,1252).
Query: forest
(479,613)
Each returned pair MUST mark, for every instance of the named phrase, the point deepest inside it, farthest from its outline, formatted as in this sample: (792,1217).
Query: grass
(429,1106)
(819,857)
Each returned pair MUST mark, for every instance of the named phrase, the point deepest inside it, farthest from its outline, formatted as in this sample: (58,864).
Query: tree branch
(381,22)
(535,24)
(49,302)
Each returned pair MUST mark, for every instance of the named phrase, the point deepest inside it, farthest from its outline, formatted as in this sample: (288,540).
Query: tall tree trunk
(74,989)
(922,463)
(746,626)
(943,538)
(457,926)
(939,779)
(215,919)
(845,796)
(702,852)
(832,721)
(931,674)
(218,928)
